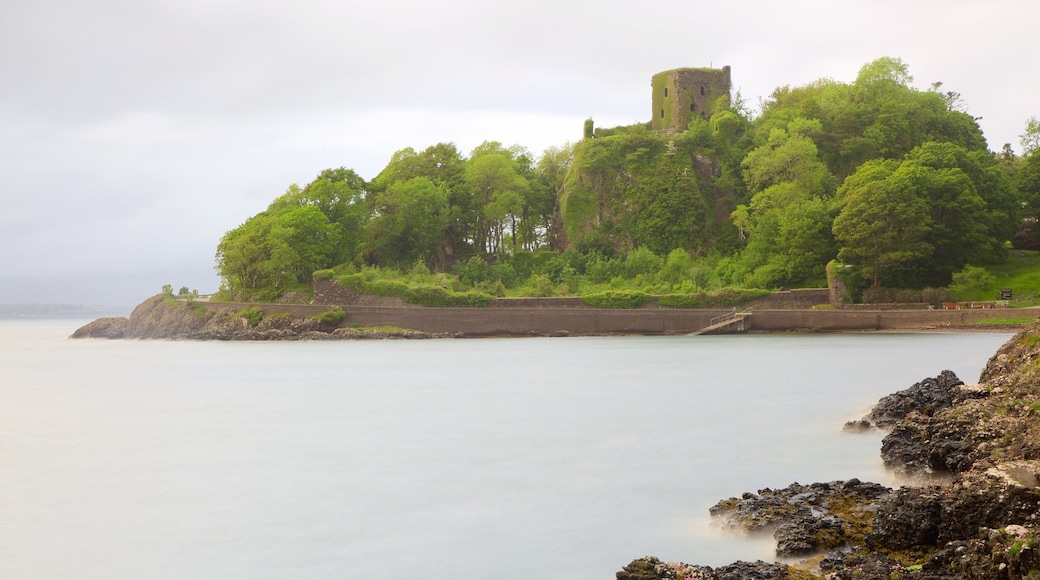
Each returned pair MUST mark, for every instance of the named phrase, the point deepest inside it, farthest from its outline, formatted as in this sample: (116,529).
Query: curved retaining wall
(502,321)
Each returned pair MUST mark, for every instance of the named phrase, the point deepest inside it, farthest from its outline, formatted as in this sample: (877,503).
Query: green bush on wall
(617,299)
(438,296)
(423,294)
(333,316)
(724,297)
(253,315)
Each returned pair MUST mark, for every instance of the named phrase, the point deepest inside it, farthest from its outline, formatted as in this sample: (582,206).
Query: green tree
(879,115)
(1027,182)
(973,208)
(1030,139)
(883,223)
(444,166)
(411,217)
(243,252)
(306,241)
(339,195)
(493,179)
(788,221)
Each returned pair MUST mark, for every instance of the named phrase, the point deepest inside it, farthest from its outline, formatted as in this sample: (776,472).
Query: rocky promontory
(164,317)
(973,454)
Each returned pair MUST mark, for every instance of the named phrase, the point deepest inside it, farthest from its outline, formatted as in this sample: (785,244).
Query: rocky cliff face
(975,449)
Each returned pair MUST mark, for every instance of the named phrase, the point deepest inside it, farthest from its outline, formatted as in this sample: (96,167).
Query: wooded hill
(896,181)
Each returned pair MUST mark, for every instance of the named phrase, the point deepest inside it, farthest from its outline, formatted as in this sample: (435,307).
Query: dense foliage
(894,181)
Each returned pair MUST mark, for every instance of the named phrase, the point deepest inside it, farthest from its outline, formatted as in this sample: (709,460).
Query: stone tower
(682,93)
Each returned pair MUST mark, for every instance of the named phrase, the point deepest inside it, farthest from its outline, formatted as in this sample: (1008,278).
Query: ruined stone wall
(682,94)
(332,292)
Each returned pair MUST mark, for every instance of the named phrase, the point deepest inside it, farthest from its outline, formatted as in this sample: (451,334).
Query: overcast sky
(134,133)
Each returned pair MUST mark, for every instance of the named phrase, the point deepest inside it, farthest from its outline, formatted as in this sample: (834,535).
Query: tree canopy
(896,181)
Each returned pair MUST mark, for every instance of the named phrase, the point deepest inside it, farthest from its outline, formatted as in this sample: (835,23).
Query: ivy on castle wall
(639,189)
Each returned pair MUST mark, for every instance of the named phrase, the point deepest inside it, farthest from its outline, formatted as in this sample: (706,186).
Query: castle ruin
(683,93)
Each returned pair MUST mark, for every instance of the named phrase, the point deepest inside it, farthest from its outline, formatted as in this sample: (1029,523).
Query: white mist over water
(507,458)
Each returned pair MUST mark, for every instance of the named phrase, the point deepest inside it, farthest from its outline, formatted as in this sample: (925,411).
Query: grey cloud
(136,133)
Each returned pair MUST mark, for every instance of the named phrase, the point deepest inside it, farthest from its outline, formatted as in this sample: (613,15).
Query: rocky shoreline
(167,317)
(162,318)
(974,449)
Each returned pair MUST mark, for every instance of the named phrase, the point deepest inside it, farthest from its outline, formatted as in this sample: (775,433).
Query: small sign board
(1005,293)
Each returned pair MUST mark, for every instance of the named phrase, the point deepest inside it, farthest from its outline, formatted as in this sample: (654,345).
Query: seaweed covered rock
(843,566)
(650,568)
(805,518)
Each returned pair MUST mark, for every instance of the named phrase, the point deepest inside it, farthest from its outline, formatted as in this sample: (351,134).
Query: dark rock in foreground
(926,398)
(650,568)
(982,523)
(805,518)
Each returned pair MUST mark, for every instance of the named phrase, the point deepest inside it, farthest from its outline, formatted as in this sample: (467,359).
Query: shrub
(197,308)
(677,266)
(601,269)
(419,270)
(473,271)
(723,297)
(354,282)
(424,294)
(428,295)
(935,296)
(526,263)
(253,315)
(642,261)
(471,299)
(540,286)
(617,299)
(504,274)
(333,316)
(476,271)
(386,288)
(323,275)
(496,288)
(972,283)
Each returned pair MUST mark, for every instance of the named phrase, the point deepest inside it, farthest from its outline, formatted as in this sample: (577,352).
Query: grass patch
(999,321)
(1030,340)
(332,316)
(197,308)
(1019,273)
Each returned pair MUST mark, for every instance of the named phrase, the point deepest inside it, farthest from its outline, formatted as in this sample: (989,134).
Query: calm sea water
(528,458)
